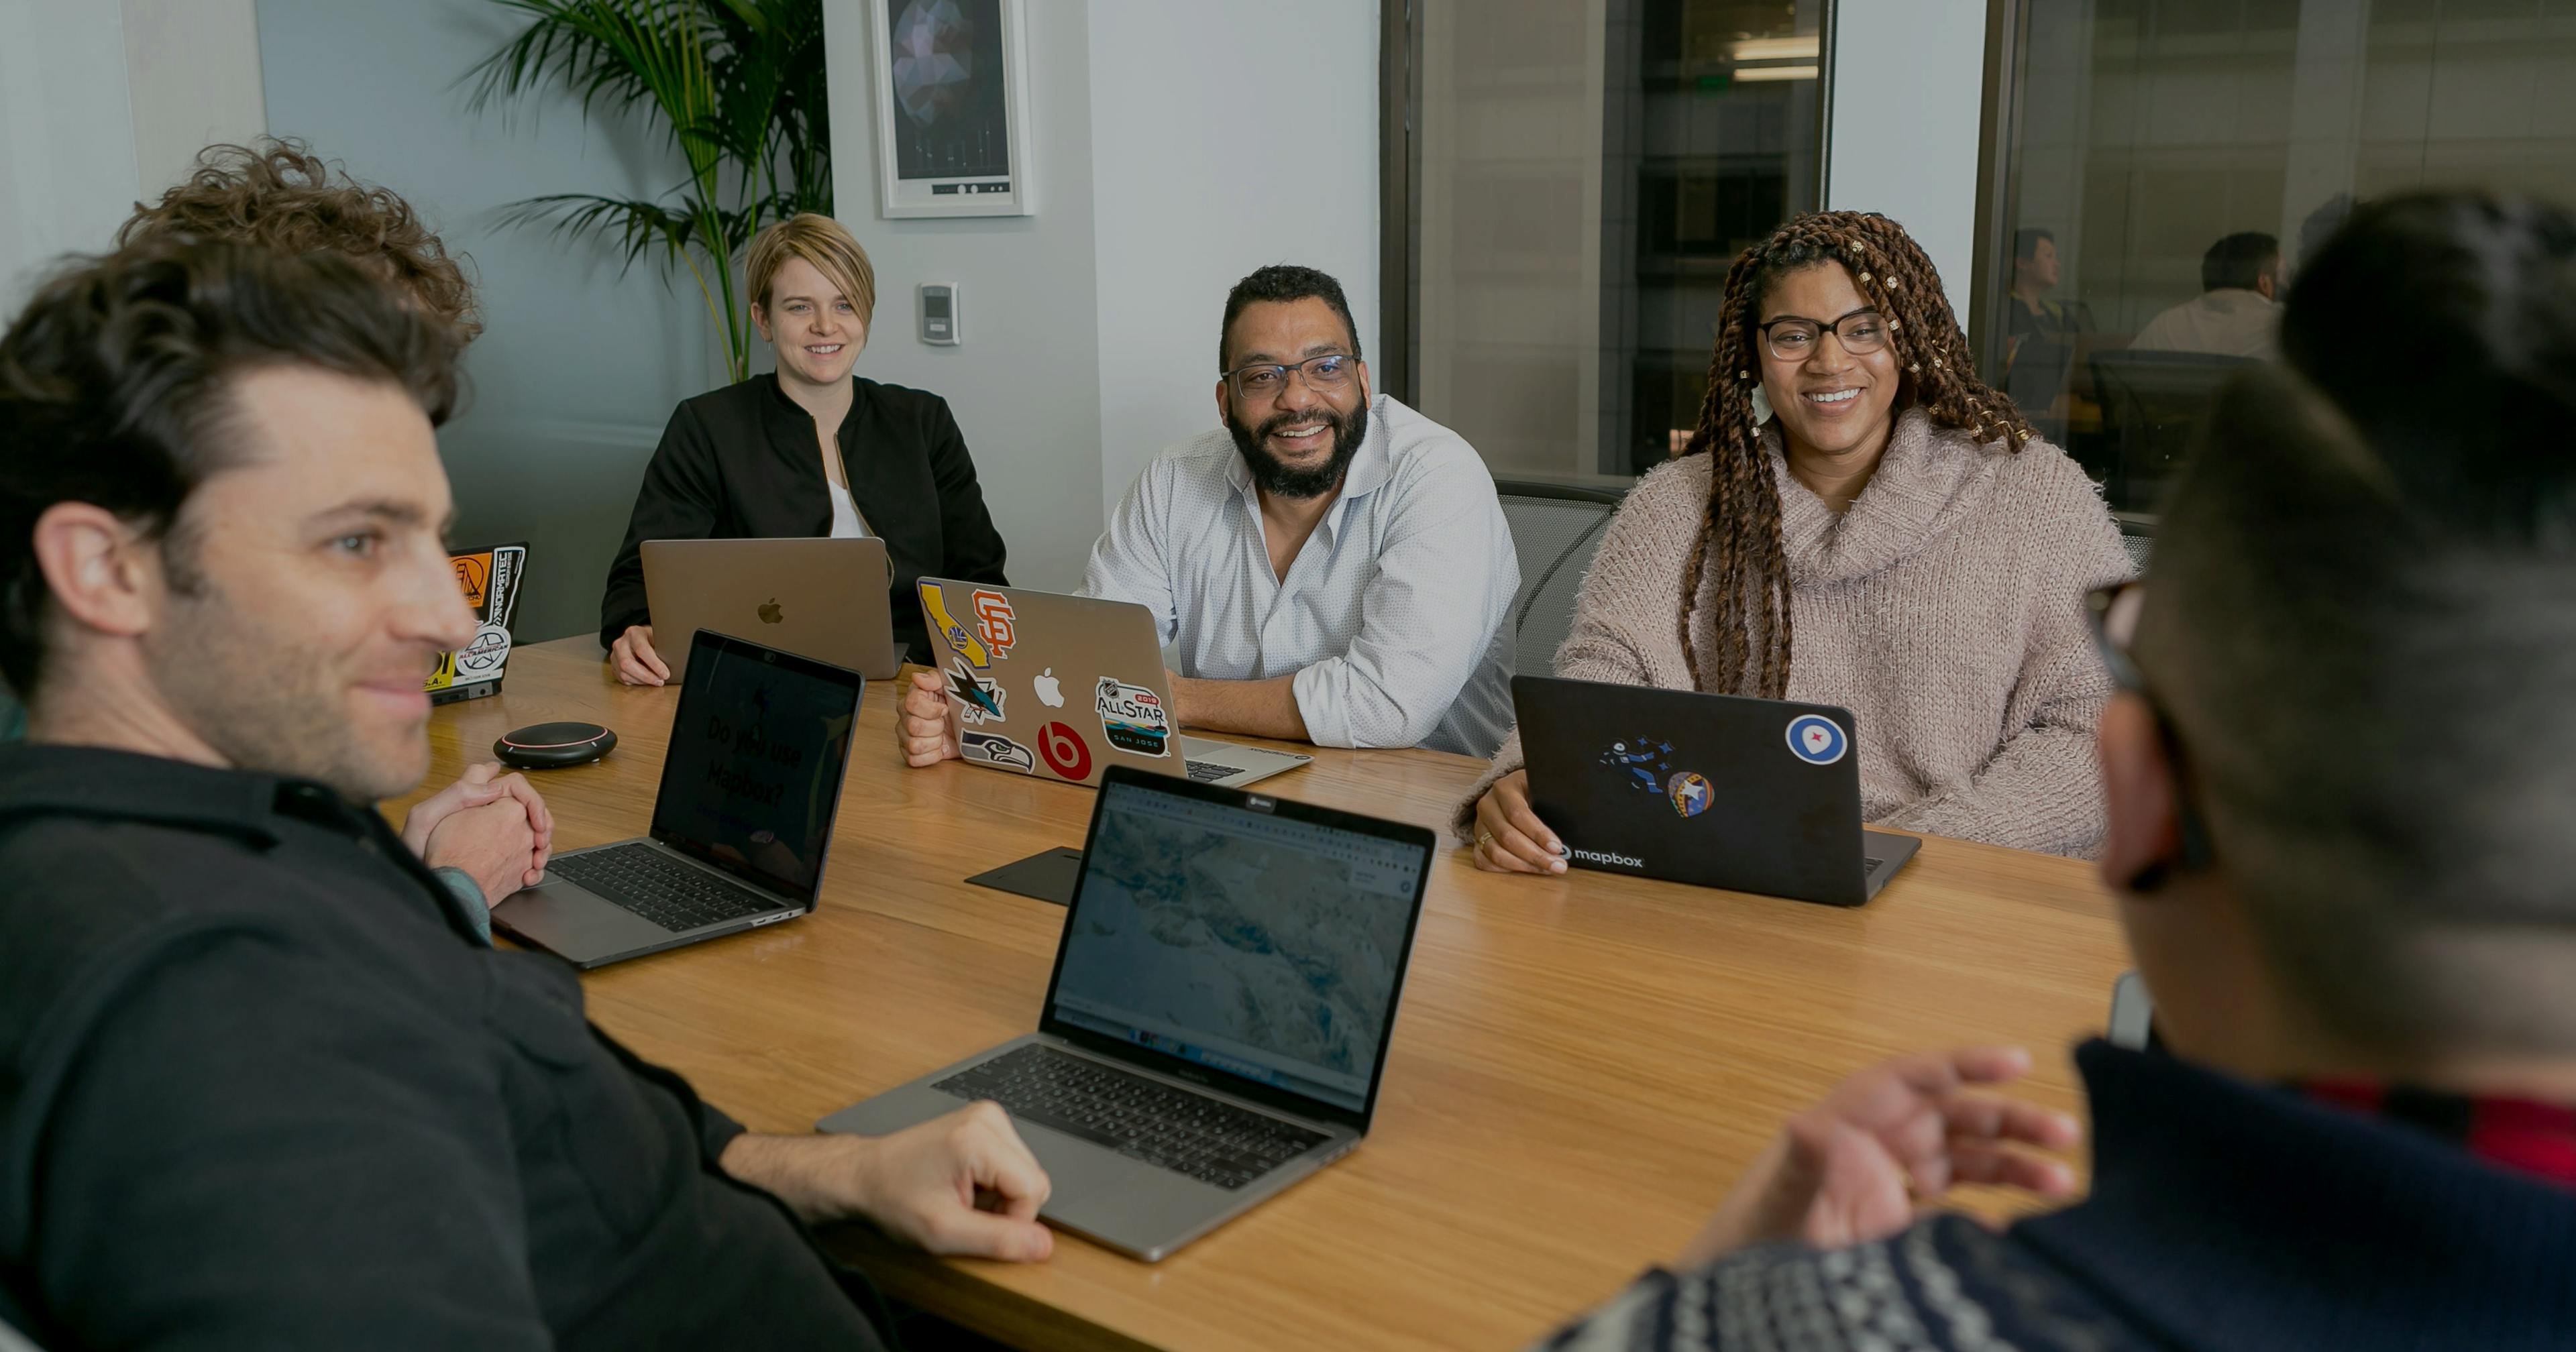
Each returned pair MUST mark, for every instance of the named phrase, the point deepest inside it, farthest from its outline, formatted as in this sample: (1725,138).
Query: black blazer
(739,463)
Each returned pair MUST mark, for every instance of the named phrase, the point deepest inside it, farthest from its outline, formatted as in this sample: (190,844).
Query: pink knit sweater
(1944,608)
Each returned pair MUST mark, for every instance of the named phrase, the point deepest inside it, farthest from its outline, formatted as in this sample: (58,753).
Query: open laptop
(491,580)
(1217,1025)
(750,785)
(1752,795)
(825,599)
(1063,687)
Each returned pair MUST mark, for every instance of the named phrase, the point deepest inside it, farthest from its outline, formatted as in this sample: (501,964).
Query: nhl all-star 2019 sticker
(1133,718)
(1816,739)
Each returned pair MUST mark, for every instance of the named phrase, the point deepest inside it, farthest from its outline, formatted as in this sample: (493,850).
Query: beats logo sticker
(1064,751)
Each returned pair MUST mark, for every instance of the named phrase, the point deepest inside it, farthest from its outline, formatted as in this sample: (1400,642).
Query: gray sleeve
(1129,562)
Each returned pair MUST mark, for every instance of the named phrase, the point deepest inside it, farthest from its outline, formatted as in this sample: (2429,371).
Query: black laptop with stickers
(491,580)
(1751,795)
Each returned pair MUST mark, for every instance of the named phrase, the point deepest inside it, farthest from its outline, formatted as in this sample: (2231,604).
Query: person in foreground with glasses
(1854,485)
(1332,566)
(2340,767)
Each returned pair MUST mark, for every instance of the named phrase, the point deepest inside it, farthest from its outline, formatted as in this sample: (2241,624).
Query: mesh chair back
(1555,529)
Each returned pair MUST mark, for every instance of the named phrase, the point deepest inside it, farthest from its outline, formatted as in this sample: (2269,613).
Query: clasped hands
(494,827)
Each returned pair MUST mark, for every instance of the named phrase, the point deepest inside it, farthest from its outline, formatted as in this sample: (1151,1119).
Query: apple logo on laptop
(770,613)
(1050,690)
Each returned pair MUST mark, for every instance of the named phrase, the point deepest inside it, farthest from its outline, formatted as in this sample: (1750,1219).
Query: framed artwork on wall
(951,107)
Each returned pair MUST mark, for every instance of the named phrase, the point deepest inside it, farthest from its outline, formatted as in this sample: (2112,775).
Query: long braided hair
(1740,534)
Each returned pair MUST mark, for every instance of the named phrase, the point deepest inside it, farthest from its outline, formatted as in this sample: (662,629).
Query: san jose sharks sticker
(992,748)
(961,640)
(1816,739)
(979,699)
(1133,718)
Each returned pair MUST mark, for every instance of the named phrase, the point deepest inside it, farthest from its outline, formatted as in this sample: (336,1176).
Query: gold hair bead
(1895,282)
(1916,367)
(1936,361)
(1894,324)
(1864,276)
(1744,375)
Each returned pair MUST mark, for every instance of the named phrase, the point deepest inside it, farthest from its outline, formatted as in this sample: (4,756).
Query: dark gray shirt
(260,1087)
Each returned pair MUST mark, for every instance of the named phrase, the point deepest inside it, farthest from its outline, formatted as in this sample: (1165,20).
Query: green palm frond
(737,86)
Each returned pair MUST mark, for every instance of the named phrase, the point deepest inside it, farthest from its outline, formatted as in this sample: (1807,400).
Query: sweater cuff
(1462,823)
(461,885)
(715,1132)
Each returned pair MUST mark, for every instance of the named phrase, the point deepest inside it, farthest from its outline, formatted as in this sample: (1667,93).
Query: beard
(1276,476)
(269,700)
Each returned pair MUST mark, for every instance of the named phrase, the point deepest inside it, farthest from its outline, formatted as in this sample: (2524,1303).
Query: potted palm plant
(737,86)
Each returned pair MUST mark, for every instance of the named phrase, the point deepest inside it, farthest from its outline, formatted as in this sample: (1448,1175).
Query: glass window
(2167,163)
(1587,170)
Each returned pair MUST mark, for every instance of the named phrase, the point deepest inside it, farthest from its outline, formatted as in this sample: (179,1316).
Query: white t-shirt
(846,524)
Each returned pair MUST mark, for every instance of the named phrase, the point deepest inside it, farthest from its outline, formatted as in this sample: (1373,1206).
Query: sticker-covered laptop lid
(491,580)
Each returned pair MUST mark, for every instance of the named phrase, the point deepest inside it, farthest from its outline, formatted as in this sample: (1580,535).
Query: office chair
(1555,529)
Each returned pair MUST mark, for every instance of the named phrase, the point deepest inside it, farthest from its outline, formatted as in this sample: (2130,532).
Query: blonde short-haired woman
(810,450)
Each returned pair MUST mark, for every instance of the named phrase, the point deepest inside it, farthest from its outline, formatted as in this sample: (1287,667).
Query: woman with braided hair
(1857,500)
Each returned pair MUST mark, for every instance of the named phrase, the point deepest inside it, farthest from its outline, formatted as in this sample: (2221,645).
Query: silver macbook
(826,599)
(750,785)
(1063,687)
(1217,1025)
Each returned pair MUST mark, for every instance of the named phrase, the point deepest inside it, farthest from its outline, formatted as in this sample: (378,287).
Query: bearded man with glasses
(2340,765)
(1332,566)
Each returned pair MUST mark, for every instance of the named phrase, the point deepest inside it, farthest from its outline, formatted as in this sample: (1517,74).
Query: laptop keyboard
(1140,1118)
(658,887)
(1209,772)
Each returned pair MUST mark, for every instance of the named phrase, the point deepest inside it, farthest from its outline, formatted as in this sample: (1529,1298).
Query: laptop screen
(758,750)
(1256,944)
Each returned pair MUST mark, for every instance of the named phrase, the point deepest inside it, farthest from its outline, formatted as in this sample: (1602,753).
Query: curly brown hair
(1740,534)
(278,193)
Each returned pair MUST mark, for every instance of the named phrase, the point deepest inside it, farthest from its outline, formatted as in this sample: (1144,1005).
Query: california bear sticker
(1133,719)
(992,748)
(961,640)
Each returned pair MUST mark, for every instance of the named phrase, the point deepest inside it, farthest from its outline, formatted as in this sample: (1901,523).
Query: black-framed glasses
(1791,338)
(1327,374)
(2114,611)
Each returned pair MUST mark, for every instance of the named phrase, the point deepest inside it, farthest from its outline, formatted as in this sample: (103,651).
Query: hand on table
(478,786)
(925,726)
(1509,836)
(633,659)
(1852,1168)
(960,1184)
(494,844)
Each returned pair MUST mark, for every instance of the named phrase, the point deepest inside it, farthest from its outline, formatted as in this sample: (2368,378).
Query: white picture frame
(950,86)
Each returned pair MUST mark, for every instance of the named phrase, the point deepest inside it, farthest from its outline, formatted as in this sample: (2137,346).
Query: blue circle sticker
(1816,739)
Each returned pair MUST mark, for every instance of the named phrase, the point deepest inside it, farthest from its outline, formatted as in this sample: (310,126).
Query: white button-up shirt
(1394,615)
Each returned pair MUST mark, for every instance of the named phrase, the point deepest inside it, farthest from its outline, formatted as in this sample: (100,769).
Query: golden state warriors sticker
(961,640)
(1816,739)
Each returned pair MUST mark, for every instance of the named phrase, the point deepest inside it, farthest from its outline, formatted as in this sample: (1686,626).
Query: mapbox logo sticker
(1607,859)
(992,748)
(1816,739)
(961,640)
(979,700)
(993,621)
(1133,719)
(1065,751)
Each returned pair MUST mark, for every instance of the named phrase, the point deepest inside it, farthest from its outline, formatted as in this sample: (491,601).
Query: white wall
(1908,88)
(1181,210)
(1091,326)
(196,82)
(66,136)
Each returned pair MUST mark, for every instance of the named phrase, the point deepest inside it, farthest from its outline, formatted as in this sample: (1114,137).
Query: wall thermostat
(939,319)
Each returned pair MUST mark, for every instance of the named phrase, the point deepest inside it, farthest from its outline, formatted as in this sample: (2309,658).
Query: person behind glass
(2234,314)
(2340,766)
(1853,484)
(807,451)
(2039,333)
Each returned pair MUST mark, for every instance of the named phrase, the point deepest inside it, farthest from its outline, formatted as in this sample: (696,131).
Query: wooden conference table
(1580,1067)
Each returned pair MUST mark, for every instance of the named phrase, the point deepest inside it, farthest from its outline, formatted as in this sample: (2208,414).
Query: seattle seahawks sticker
(1132,718)
(1816,739)
(992,748)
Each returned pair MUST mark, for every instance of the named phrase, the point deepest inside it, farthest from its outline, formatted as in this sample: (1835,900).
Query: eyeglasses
(1327,374)
(1794,339)
(2113,611)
